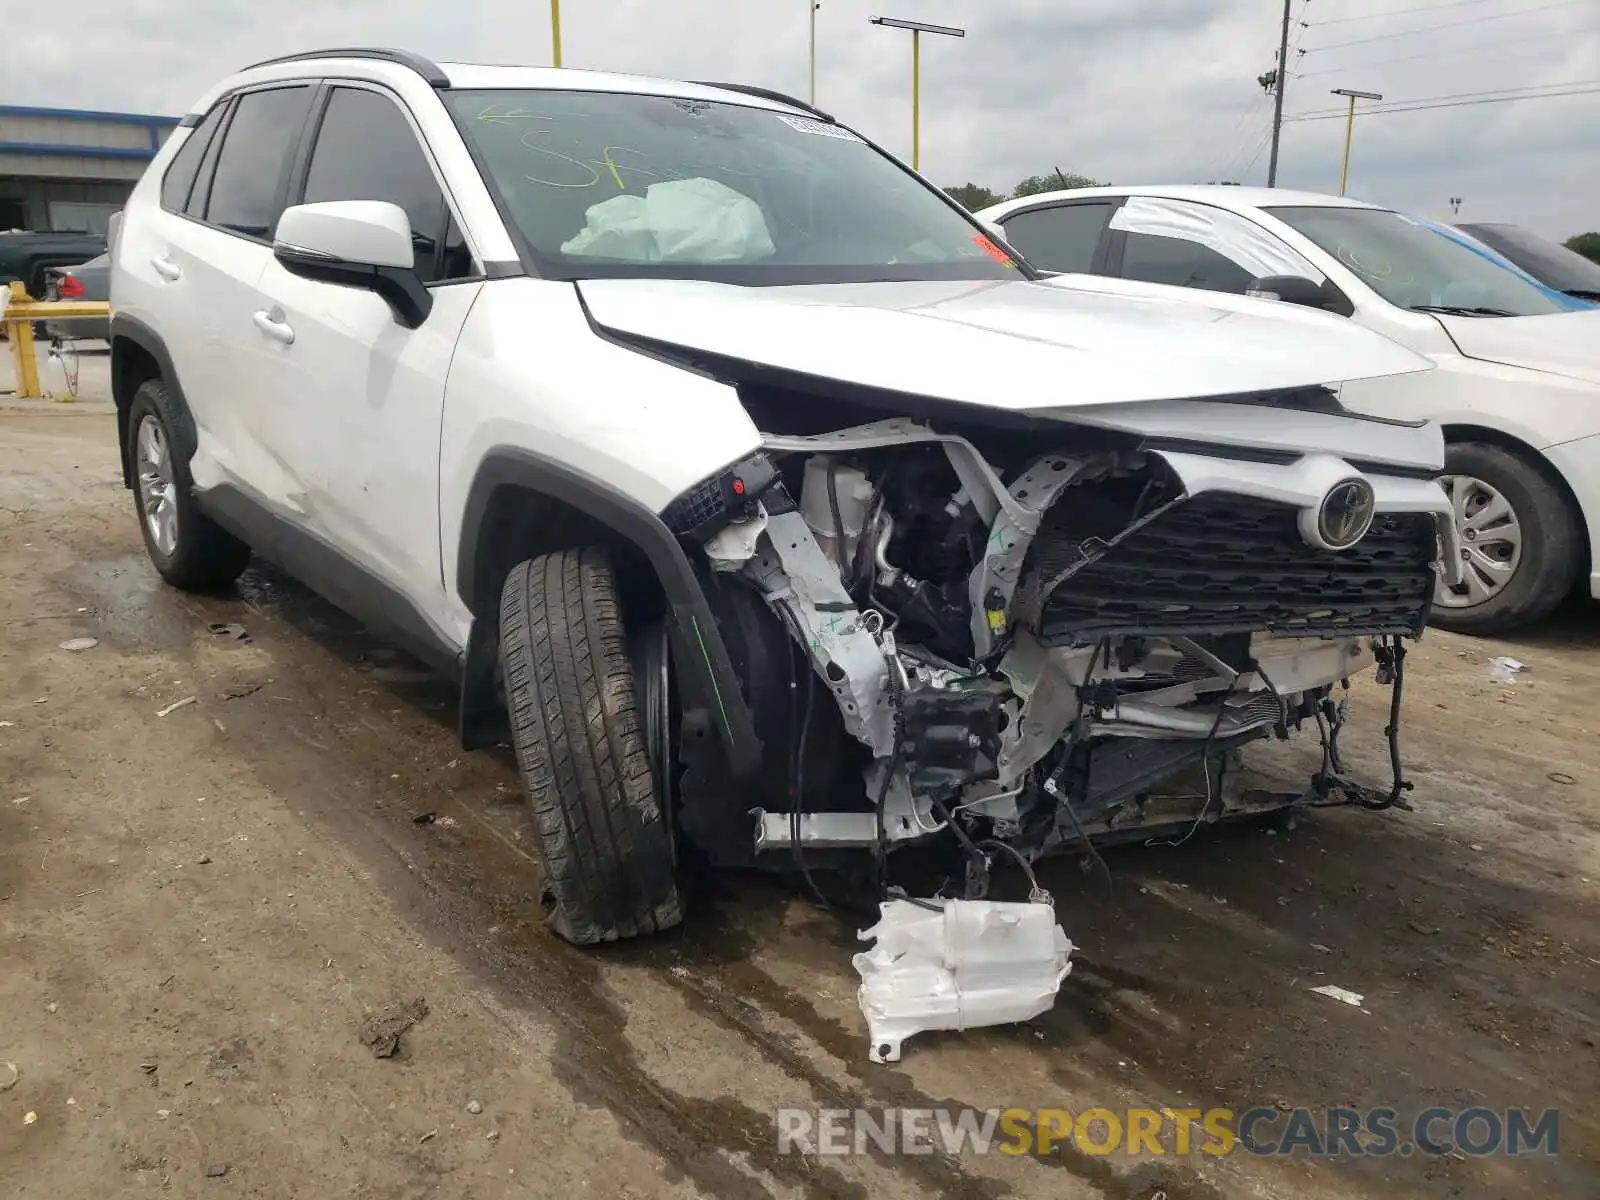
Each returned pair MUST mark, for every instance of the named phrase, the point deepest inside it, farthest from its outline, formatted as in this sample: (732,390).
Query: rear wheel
(1519,541)
(188,548)
(584,741)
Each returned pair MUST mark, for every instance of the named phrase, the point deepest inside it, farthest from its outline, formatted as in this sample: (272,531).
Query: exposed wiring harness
(797,758)
(1392,661)
(1205,766)
(1078,791)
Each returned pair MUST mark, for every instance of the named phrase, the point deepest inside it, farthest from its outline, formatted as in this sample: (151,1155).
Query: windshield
(614,184)
(1549,261)
(1409,264)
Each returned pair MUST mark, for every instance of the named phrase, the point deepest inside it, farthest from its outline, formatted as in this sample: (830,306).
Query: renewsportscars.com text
(1319,1133)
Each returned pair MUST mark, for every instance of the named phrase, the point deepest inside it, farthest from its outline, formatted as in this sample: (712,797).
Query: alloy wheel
(158,496)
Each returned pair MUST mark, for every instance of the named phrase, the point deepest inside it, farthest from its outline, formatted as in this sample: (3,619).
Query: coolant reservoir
(854,493)
(957,964)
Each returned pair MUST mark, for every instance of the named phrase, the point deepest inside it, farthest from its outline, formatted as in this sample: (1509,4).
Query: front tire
(1520,543)
(602,839)
(188,548)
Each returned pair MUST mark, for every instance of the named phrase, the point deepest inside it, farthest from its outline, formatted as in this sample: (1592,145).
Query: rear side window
(367,150)
(179,179)
(1062,238)
(248,186)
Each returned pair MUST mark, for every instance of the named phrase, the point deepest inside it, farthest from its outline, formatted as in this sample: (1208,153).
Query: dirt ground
(199,911)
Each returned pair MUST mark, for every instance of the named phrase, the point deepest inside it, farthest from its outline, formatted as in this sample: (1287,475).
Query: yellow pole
(25,365)
(1349,132)
(916,99)
(555,31)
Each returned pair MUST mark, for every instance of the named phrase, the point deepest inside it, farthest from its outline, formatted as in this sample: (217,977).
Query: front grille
(1226,564)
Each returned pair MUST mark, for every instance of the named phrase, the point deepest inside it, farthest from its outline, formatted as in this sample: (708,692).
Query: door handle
(269,324)
(166,268)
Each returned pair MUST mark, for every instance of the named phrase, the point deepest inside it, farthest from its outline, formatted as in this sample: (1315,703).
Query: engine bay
(978,637)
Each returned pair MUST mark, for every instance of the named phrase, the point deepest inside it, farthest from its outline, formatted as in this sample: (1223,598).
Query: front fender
(537,400)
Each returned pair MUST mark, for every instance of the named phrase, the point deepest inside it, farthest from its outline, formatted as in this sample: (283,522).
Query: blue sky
(1128,91)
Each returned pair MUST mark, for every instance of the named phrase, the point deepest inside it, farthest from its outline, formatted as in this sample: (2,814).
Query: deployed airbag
(682,220)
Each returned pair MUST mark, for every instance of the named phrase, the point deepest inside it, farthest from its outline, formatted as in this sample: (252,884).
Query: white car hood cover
(1018,345)
(1561,343)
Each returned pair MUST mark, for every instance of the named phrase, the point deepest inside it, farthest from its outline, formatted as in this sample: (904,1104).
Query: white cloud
(1124,90)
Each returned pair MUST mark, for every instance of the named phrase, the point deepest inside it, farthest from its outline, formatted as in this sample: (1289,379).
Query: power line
(1383,37)
(1300,34)
(1231,163)
(1256,157)
(1400,12)
(1378,112)
(1466,52)
(1533,90)
(1233,133)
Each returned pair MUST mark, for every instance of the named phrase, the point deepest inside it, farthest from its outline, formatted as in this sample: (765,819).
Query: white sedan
(1517,388)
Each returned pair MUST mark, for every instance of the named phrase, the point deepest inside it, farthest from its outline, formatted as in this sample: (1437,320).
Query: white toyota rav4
(769,509)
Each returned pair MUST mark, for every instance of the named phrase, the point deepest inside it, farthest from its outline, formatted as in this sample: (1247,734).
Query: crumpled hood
(1561,343)
(1013,344)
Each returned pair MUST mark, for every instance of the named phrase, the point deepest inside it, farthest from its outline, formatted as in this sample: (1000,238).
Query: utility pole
(1277,96)
(813,5)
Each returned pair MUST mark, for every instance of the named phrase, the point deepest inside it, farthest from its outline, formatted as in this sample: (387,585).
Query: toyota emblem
(1346,514)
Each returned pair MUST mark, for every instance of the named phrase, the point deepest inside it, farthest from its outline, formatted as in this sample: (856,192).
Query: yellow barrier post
(18,318)
(24,364)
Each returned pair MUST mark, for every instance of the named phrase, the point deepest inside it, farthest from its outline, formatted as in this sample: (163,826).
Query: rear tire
(188,548)
(1544,560)
(603,842)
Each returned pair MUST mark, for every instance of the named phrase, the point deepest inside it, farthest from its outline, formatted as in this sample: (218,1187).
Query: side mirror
(1297,289)
(355,243)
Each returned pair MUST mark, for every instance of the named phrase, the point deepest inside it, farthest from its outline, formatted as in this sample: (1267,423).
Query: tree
(1586,244)
(973,196)
(1056,181)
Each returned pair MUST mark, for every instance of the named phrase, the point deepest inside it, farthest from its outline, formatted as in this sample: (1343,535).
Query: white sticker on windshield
(822,128)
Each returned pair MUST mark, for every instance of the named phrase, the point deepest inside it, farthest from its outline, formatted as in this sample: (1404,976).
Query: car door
(351,401)
(205,258)
(1065,237)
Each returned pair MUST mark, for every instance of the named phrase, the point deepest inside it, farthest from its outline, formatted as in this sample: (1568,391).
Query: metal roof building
(63,168)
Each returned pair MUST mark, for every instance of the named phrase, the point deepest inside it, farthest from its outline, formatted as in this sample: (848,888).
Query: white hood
(1562,343)
(1018,345)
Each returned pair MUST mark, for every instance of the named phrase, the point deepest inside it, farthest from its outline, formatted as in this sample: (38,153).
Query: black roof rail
(429,70)
(750,89)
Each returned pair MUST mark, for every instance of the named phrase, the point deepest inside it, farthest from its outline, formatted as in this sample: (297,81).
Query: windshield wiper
(1461,310)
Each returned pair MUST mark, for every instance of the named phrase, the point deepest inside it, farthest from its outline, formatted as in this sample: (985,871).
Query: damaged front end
(1007,638)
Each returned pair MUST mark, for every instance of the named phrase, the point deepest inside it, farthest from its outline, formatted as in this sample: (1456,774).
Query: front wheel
(602,836)
(1519,542)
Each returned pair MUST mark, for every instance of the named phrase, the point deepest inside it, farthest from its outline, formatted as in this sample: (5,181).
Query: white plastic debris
(957,964)
(1338,993)
(1504,669)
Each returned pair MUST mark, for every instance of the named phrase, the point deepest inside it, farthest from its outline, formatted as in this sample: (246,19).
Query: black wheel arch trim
(705,668)
(127,330)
